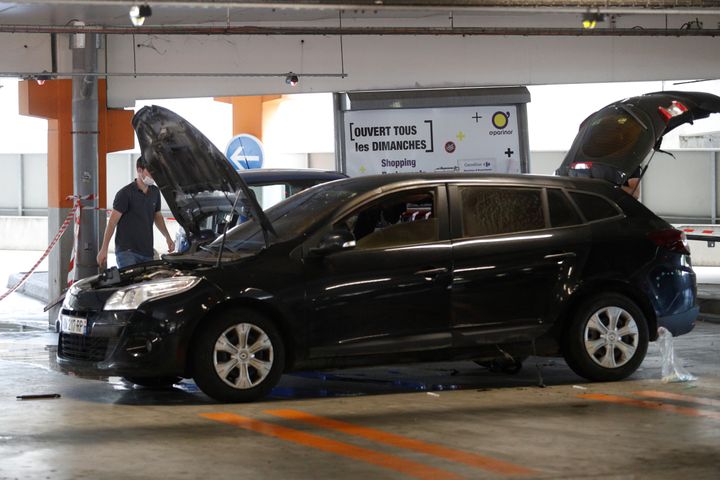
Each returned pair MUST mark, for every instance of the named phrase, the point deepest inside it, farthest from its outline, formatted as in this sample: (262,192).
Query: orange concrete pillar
(115,134)
(247,113)
(53,101)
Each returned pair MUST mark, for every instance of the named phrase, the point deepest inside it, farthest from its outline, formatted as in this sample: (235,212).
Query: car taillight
(676,108)
(670,239)
(581,165)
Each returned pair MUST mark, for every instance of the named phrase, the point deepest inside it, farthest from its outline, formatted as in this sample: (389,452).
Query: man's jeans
(128,257)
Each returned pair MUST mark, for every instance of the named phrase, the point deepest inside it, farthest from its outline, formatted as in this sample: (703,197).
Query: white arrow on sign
(239,156)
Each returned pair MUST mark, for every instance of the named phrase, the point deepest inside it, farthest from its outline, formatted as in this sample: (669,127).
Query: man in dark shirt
(135,208)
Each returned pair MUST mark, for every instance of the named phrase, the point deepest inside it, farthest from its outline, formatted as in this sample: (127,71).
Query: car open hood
(193,175)
(613,142)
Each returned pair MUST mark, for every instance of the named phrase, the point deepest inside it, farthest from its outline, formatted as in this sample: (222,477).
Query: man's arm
(160,224)
(109,230)
(633,187)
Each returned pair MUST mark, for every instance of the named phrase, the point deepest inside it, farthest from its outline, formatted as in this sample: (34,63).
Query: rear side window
(594,207)
(497,210)
(562,213)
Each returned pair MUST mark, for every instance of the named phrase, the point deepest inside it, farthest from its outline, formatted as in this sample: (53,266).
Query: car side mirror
(334,241)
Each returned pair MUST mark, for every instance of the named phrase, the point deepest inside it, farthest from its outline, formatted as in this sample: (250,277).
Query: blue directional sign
(245,152)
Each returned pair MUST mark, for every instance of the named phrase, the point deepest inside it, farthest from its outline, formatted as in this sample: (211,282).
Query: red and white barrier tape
(75,213)
(58,235)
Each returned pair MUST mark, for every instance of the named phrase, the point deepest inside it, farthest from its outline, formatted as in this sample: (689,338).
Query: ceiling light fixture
(138,14)
(43,77)
(292,79)
(591,19)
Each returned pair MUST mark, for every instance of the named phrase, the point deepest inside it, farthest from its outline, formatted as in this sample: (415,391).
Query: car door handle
(431,272)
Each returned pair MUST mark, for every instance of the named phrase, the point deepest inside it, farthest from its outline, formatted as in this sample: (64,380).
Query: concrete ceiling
(193,48)
(371,17)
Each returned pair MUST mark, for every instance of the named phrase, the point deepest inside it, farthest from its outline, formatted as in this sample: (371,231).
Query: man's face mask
(147,179)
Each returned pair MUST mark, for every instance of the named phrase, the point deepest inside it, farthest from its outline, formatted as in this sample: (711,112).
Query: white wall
(676,188)
(679,187)
(23,184)
(23,233)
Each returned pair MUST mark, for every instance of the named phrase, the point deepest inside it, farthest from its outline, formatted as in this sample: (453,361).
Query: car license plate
(75,325)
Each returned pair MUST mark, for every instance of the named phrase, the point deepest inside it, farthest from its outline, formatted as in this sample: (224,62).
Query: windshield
(289,218)
(270,193)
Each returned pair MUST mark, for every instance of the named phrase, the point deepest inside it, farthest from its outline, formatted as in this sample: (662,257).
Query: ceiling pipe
(50,76)
(647,7)
(364,31)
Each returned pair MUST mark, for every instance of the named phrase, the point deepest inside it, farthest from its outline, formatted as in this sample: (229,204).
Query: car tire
(607,338)
(238,357)
(153,382)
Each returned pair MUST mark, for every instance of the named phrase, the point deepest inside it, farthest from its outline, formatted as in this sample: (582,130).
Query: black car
(381,269)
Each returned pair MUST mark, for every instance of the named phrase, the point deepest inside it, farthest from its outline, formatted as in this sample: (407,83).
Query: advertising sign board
(460,130)
(463,139)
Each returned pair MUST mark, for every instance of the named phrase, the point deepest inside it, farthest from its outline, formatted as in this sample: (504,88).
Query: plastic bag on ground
(672,369)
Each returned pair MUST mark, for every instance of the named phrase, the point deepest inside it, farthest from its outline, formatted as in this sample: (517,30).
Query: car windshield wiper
(225,230)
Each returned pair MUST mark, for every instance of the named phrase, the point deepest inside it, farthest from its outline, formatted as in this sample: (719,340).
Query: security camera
(292,79)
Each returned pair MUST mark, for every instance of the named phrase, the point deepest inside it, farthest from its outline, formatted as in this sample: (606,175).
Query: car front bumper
(127,343)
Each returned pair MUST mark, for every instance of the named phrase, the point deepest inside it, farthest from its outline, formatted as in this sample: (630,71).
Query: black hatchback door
(613,142)
(390,293)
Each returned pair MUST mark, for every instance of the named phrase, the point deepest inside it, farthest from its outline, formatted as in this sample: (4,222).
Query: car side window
(395,220)
(498,210)
(562,213)
(594,207)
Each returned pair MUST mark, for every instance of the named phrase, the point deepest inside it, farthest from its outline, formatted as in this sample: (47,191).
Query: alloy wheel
(243,356)
(611,337)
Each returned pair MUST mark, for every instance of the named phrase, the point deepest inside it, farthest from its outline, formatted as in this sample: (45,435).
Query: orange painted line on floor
(692,412)
(472,459)
(710,402)
(397,464)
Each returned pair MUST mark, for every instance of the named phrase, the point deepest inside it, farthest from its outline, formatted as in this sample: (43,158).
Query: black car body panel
(296,179)
(613,142)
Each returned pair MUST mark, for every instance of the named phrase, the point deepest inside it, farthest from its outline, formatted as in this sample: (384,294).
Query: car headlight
(130,298)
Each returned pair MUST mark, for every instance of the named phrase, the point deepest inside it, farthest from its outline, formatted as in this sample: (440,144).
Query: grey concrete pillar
(85,149)
(58,259)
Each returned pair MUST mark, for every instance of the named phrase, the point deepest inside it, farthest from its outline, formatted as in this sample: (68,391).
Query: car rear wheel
(607,338)
(238,357)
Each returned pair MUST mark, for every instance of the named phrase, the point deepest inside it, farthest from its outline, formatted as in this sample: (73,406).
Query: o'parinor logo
(500,119)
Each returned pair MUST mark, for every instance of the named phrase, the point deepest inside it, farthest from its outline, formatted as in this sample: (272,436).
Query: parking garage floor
(451,420)
(440,421)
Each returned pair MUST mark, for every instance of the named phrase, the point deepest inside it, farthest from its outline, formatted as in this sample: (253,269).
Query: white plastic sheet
(672,369)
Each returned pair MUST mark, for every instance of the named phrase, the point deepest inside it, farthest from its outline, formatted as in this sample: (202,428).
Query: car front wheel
(238,357)
(607,338)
